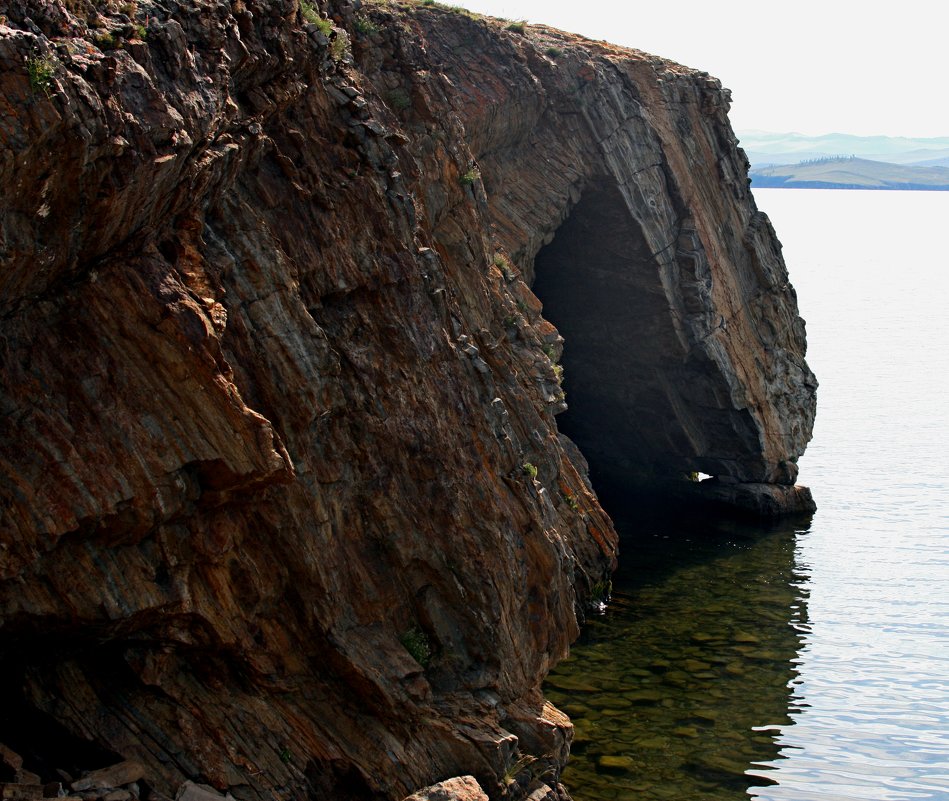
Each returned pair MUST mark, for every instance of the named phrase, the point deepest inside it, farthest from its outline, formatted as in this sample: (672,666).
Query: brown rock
(461,788)
(113,776)
(12,791)
(268,407)
(154,795)
(760,500)
(189,791)
(545,792)
(10,759)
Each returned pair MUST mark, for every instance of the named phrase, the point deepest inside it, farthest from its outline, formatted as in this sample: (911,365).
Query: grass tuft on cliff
(312,16)
(416,642)
(366,26)
(41,70)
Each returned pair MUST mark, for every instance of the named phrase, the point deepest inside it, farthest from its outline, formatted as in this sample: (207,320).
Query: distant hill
(764,148)
(850,173)
(941,162)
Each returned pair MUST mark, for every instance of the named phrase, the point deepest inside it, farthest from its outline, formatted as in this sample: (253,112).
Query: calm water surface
(808,662)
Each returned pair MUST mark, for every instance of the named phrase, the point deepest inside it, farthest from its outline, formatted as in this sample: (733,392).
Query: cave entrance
(600,285)
(44,745)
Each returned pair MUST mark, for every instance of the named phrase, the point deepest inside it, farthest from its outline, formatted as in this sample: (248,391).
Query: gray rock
(461,788)
(189,791)
(12,791)
(113,776)
(10,758)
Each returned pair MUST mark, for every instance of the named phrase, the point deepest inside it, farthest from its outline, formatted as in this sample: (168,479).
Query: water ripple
(801,665)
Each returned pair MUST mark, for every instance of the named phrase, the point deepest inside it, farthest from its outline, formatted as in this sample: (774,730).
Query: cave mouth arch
(628,377)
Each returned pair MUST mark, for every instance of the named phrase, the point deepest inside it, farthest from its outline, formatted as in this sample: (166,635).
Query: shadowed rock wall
(283,500)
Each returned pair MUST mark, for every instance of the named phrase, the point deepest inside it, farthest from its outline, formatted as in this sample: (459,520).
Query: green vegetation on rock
(416,642)
(41,70)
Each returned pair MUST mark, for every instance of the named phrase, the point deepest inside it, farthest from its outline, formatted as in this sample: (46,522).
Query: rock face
(284,505)
(461,788)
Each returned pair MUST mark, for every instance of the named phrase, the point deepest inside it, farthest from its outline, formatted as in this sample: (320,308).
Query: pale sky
(812,67)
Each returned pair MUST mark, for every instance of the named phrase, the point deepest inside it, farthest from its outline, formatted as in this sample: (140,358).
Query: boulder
(113,776)
(461,788)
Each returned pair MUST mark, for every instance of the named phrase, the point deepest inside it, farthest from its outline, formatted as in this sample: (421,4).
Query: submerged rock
(616,764)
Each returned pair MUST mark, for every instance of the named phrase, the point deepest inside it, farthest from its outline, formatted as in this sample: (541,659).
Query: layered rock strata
(285,508)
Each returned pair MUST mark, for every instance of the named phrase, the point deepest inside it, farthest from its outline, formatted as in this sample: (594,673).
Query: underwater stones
(695,665)
(745,637)
(676,678)
(584,731)
(610,702)
(572,684)
(575,709)
(707,715)
(639,673)
(647,697)
(610,763)
(722,765)
(653,743)
(713,689)
(762,655)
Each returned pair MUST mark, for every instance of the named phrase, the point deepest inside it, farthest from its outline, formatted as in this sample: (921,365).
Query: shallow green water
(810,666)
(678,688)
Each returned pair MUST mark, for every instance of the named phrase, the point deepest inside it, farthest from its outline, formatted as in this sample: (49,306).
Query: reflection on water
(707,677)
(680,688)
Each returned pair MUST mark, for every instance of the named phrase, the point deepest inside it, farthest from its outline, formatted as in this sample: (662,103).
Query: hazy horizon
(817,69)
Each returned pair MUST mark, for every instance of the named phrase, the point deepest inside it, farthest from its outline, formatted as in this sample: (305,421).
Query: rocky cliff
(285,507)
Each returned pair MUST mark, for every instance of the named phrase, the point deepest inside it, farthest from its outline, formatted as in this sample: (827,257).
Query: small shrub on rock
(416,642)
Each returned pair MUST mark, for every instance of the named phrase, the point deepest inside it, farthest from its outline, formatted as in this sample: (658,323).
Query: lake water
(808,661)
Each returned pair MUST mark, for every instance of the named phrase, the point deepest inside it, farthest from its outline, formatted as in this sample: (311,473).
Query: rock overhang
(683,348)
